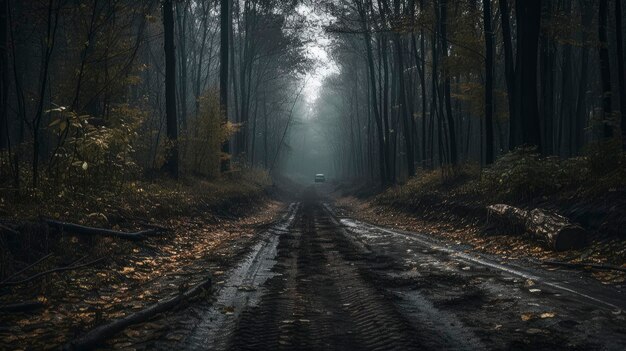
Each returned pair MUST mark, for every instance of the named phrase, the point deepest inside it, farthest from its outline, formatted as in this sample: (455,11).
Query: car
(320,178)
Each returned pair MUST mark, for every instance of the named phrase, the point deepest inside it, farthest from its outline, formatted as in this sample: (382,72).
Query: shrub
(94,151)
(200,147)
(525,174)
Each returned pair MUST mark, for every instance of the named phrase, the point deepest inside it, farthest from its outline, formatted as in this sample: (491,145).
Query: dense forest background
(424,84)
(103,91)
(97,92)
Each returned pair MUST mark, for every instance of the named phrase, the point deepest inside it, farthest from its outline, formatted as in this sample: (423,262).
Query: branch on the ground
(9,229)
(84,230)
(26,268)
(60,269)
(22,306)
(585,265)
(105,332)
(553,230)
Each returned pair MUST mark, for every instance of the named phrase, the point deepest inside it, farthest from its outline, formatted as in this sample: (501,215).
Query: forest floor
(204,227)
(456,211)
(322,280)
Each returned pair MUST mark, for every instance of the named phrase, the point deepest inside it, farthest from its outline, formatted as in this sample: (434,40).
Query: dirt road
(319,282)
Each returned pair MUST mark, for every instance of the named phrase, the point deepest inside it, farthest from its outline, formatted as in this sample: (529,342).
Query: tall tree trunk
(489,155)
(605,71)
(254,119)
(4,77)
(620,67)
(548,64)
(171,164)
(567,88)
(52,26)
(581,105)
(528,15)
(181,14)
(446,84)
(404,108)
(224,34)
(509,73)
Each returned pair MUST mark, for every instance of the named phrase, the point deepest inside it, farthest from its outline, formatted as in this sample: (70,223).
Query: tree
(224,34)
(4,75)
(605,70)
(489,155)
(171,164)
(509,73)
(620,67)
(528,16)
(443,17)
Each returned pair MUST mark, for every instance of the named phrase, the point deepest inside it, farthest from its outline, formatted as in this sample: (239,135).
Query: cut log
(554,231)
(104,332)
(509,218)
(84,230)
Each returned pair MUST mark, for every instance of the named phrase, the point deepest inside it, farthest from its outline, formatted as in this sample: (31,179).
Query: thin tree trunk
(605,70)
(586,10)
(489,155)
(509,73)
(446,84)
(4,78)
(620,68)
(224,34)
(404,108)
(171,165)
(528,14)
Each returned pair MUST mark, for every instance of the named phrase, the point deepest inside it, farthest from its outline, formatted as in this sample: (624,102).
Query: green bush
(525,174)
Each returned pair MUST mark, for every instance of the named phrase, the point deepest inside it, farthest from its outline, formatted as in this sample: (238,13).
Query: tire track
(319,301)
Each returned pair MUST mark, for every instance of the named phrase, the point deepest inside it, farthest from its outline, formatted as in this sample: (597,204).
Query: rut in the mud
(318,301)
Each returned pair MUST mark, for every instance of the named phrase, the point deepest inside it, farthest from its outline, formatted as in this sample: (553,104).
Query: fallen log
(26,268)
(554,231)
(104,332)
(84,230)
(507,217)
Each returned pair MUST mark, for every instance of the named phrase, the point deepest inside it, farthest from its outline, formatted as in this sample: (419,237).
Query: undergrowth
(129,206)
(522,175)
(146,198)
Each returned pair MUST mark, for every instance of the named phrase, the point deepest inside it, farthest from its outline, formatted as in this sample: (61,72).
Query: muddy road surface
(320,282)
